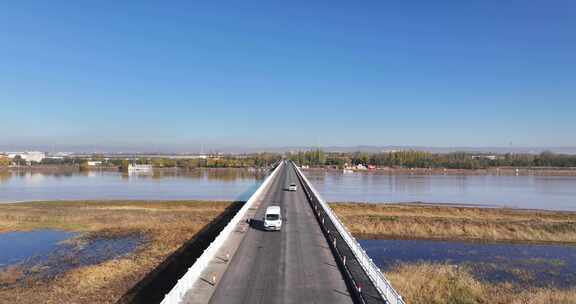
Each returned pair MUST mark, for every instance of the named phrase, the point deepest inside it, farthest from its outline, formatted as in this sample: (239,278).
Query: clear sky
(174,74)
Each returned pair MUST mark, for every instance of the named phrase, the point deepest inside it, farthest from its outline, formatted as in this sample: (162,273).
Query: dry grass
(446,284)
(409,221)
(10,275)
(167,225)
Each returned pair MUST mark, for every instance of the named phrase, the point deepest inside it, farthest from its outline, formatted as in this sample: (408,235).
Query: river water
(530,192)
(534,192)
(216,184)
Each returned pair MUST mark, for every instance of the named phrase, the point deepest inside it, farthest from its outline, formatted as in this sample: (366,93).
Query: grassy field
(420,221)
(446,284)
(425,283)
(166,226)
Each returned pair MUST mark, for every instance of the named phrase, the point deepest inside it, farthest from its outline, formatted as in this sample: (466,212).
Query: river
(202,184)
(532,192)
(524,191)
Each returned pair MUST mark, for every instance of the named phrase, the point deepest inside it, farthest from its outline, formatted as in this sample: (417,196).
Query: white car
(272,218)
(292,187)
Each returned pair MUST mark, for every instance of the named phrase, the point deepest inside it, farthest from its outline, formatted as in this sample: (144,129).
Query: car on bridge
(273,218)
(292,187)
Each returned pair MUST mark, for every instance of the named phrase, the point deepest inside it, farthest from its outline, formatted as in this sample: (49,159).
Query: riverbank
(445,222)
(425,283)
(163,225)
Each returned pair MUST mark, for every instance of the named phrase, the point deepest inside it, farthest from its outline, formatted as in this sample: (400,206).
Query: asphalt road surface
(293,265)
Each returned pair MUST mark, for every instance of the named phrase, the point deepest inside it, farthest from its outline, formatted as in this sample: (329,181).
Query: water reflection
(48,253)
(67,256)
(201,184)
(18,246)
(5,175)
(553,192)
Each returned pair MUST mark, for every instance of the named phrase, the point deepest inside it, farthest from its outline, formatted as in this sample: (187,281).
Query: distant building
(139,168)
(490,157)
(32,156)
(199,156)
(63,154)
(94,163)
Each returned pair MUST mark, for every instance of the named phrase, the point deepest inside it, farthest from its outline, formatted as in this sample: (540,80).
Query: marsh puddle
(524,264)
(46,253)
(15,247)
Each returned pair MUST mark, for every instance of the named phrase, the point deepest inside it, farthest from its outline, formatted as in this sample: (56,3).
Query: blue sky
(177,74)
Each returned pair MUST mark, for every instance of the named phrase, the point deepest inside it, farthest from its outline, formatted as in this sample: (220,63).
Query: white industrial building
(30,156)
(139,168)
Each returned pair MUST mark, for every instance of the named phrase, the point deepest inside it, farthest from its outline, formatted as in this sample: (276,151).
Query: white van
(272,218)
(292,187)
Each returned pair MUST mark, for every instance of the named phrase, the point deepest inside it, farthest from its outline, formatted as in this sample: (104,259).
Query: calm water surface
(532,192)
(531,265)
(15,247)
(45,253)
(538,192)
(199,184)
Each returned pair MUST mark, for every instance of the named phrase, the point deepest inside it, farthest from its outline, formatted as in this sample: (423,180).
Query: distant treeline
(319,158)
(256,160)
(420,159)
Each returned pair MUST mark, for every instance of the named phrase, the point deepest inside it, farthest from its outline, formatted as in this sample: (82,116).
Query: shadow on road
(257,224)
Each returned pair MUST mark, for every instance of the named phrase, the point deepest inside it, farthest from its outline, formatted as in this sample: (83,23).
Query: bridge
(312,259)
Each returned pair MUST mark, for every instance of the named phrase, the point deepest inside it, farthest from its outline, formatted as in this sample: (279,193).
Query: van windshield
(272,217)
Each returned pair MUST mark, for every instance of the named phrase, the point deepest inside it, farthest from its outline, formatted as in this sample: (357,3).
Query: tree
(124,165)
(18,160)
(4,161)
(84,166)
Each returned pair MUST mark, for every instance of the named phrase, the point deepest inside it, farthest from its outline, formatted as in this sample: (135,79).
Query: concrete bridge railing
(176,295)
(383,286)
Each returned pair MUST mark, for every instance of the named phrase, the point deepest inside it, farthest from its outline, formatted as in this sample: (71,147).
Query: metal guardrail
(384,287)
(176,295)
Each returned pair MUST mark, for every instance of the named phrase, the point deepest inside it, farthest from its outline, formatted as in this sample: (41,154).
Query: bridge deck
(294,265)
